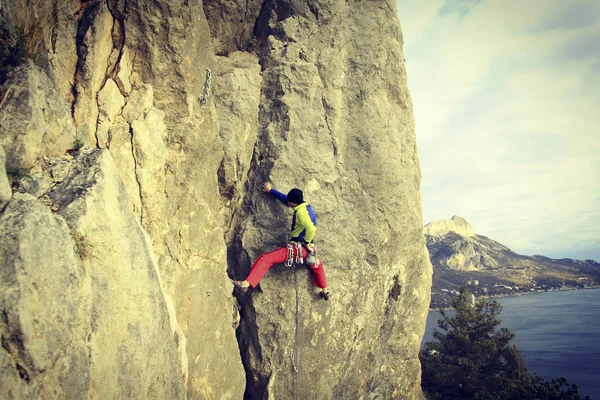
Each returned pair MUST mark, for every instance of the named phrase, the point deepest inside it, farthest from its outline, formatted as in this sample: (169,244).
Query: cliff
(136,139)
(459,255)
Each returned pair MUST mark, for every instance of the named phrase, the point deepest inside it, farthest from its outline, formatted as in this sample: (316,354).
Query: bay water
(558,334)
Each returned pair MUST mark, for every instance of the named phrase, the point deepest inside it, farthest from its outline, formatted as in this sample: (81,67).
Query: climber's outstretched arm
(280,196)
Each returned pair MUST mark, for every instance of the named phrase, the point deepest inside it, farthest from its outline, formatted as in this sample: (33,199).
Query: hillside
(458,258)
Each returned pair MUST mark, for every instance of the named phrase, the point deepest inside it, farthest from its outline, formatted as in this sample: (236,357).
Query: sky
(506,98)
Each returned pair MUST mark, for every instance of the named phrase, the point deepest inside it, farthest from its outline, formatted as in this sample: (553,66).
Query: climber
(301,244)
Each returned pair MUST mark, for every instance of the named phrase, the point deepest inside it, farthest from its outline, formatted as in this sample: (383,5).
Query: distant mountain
(460,256)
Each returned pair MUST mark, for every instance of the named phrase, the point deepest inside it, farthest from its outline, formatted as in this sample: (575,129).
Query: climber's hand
(310,247)
(266,187)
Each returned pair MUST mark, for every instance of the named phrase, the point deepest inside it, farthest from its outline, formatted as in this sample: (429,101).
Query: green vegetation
(16,174)
(78,144)
(470,358)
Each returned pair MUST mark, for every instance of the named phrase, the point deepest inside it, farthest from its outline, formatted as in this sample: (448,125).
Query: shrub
(16,175)
(78,144)
(470,358)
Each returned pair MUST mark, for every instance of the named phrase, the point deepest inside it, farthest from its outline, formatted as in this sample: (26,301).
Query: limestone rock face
(186,125)
(177,151)
(336,121)
(5,191)
(42,282)
(73,324)
(443,226)
(232,23)
(96,59)
(35,121)
(237,95)
(133,77)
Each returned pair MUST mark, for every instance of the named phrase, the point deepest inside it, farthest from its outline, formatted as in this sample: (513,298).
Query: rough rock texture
(5,191)
(42,283)
(455,224)
(321,104)
(34,121)
(335,120)
(73,326)
(232,23)
(177,151)
(133,77)
(237,95)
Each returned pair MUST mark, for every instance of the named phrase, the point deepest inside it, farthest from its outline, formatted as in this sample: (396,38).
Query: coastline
(519,294)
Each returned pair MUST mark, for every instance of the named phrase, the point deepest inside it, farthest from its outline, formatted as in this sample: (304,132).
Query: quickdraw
(207,83)
(299,259)
(290,255)
(293,361)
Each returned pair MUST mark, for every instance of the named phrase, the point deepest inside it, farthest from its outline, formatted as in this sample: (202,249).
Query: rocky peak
(455,224)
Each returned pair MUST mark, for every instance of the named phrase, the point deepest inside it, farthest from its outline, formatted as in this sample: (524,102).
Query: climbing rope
(295,256)
(295,359)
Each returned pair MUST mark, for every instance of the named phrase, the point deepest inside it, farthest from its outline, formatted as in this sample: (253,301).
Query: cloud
(505,101)
(574,14)
(416,17)
(460,7)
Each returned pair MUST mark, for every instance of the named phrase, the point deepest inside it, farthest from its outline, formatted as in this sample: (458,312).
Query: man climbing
(303,231)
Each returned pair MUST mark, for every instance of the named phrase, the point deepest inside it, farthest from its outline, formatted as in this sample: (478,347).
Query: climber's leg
(319,272)
(264,262)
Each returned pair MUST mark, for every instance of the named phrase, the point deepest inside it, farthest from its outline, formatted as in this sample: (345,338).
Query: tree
(470,358)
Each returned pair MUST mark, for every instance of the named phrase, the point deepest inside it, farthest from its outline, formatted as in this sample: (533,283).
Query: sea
(558,334)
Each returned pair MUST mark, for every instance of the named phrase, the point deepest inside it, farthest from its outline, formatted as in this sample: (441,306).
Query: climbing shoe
(324,295)
(238,285)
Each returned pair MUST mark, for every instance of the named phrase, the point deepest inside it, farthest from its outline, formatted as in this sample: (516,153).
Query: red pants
(267,260)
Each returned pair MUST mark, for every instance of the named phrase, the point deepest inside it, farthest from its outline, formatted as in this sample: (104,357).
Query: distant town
(441,298)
